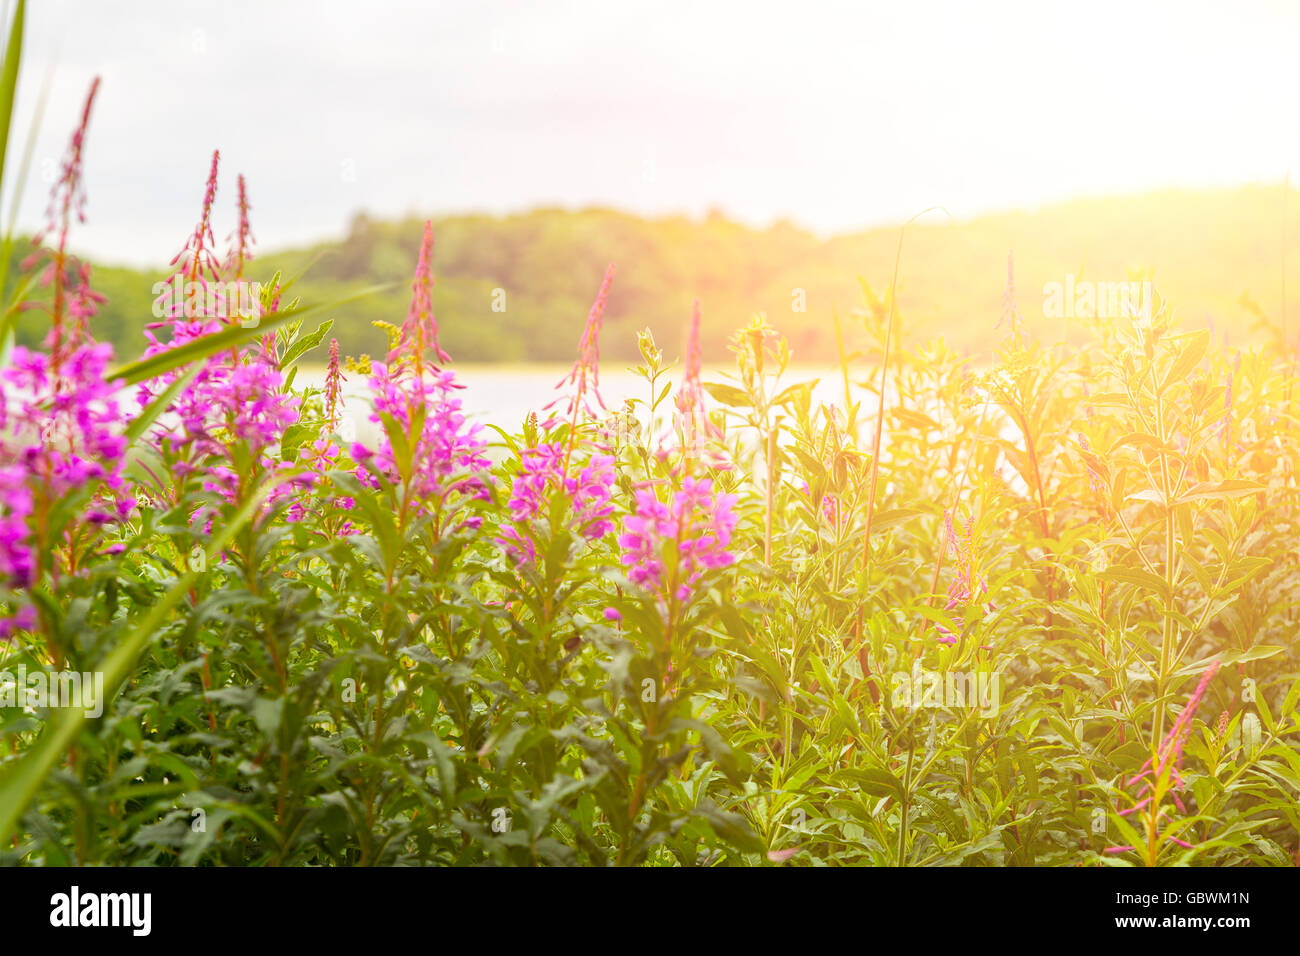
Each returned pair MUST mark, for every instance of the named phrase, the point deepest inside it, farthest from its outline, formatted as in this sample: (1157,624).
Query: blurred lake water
(504,395)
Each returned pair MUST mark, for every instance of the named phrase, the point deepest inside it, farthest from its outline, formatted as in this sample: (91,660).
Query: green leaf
(1260,653)
(730,827)
(1232,488)
(154,365)
(8,90)
(9,79)
(728,394)
(894,516)
(1139,577)
(306,344)
(876,781)
(136,428)
(1188,358)
(267,713)
(1147,494)
(799,392)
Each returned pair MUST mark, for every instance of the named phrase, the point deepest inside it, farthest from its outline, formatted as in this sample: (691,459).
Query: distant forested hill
(1206,248)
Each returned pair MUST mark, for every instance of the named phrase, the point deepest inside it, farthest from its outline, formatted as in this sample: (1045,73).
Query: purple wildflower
(698,523)
(584,377)
(699,434)
(420,330)
(543,470)
(197,261)
(73,302)
(831,509)
(1096,468)
(60,430)
(1167,759)
(333,388)
(1170,753)
(967,577)
(24,619)
(444,447)
(242,399)
(236,395)
(1010,316)
(16,558)
(242,238)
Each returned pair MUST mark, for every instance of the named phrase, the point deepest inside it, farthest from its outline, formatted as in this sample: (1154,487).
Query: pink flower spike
(584,377)
(242,237)
(1165,764)
(420,330)
(333,387)
(72,302)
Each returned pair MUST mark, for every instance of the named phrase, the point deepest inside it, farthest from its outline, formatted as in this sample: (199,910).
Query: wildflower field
(1029,607)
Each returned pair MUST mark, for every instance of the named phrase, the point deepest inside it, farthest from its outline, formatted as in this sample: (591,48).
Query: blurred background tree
(542,267)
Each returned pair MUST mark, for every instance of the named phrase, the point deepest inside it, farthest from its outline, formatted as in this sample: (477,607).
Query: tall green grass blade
(9,79)
(154,365)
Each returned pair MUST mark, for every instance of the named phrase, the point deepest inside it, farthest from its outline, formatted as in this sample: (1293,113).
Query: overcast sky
(835,115)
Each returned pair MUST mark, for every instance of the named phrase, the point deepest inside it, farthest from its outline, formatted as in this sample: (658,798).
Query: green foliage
(546,262)
(292,694)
